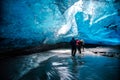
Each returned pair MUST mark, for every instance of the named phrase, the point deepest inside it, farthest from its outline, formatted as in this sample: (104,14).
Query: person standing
(78,44)
(73,46)
(82,44)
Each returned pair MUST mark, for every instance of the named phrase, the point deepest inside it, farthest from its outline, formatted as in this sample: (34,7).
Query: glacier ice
(31,22)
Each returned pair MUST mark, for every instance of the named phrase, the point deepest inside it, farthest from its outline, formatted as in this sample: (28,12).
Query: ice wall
(33,22)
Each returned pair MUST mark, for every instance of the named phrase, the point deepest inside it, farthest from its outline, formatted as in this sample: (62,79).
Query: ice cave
(30,27)
(33,22)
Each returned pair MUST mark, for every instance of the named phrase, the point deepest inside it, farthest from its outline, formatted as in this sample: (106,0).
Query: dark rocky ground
(105,50)
(110,51)
(11,52)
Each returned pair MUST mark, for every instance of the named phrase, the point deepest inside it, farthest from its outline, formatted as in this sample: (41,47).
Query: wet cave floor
(60,65)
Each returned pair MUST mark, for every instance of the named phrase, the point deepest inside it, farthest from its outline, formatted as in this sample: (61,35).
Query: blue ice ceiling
(31,22)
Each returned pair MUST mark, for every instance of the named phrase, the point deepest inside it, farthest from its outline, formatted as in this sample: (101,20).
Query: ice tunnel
(34,22)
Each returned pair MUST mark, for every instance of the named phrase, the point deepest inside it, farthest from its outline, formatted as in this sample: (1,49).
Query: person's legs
(83,47)
(74,52)
(79,49)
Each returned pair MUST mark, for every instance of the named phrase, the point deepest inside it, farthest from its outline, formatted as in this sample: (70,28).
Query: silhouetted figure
(78,45)
(73,46)
(82,44)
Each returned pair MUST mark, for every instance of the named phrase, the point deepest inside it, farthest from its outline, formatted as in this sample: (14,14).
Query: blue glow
(51,21)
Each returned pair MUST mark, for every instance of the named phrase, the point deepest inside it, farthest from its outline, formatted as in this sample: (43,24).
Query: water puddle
(60,65)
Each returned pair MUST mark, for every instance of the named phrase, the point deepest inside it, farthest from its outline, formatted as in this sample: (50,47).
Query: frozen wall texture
(33,22)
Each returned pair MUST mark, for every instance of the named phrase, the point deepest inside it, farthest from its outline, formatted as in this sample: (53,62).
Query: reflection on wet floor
(55,68)
(52,65)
